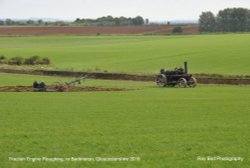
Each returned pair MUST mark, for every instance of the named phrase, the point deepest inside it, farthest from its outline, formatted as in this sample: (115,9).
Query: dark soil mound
(51,89)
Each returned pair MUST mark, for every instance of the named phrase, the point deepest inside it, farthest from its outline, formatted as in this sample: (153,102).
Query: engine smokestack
(185,67)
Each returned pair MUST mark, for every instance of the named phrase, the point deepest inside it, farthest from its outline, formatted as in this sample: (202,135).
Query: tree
(78,20)
(40,21)
(138,20)
(8,22)
(233,20)
(177,29)
(117,21)
(224,20)
(1,22)
(30,22)
(146,21)
(207,22)
(248,21)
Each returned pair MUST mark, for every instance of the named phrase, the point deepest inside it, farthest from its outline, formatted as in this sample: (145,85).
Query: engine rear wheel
(192,82)
(161,80)
(182,83)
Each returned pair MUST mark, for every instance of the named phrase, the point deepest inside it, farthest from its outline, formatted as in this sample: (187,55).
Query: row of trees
(227,20)
(102,21)
(10,22)
(24,22)
(110,21)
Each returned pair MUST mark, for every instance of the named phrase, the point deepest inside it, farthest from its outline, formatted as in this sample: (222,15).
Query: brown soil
(51,89)
(91,30)
(191,29)
(202,78)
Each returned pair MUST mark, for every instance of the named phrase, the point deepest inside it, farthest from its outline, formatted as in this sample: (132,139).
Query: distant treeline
(227,20)
(9,22)
(110,21)
(102,21)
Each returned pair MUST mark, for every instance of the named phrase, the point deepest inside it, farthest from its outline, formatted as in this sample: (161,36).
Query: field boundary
(206,79)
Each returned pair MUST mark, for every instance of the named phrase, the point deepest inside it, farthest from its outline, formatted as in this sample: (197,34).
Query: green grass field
(165,127)
(220,54)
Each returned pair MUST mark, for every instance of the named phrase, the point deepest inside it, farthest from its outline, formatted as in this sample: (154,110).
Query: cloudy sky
(157,10)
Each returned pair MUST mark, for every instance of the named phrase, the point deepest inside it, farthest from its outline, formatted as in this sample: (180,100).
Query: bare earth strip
(203,79)
(91,30)
(51,89)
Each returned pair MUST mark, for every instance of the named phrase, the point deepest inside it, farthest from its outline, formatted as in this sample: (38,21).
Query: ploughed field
(226,54)
(92,30)
(165,127)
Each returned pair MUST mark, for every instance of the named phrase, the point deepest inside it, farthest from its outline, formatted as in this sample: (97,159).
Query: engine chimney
(185,67)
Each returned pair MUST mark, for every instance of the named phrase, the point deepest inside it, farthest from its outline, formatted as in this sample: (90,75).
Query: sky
(154,10)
